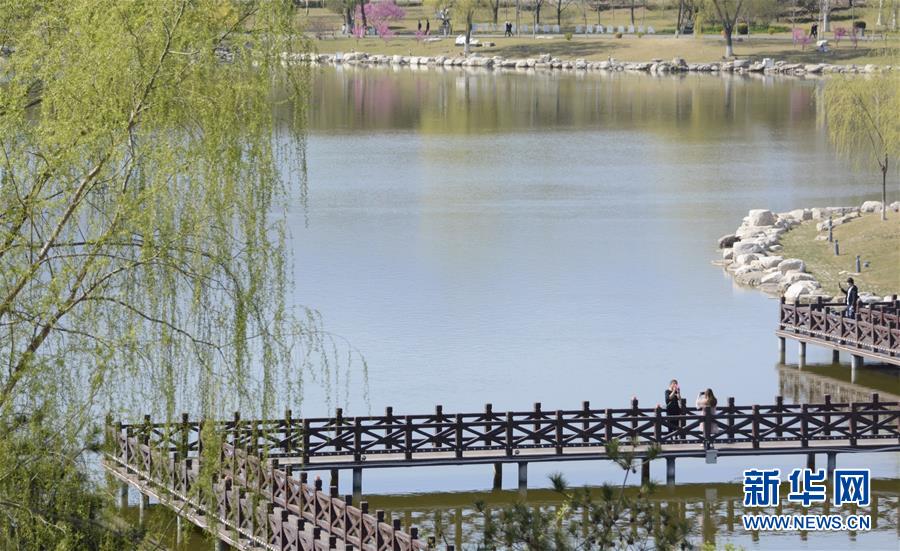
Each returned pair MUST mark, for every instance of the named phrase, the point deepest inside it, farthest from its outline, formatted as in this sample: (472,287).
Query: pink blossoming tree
(378,15)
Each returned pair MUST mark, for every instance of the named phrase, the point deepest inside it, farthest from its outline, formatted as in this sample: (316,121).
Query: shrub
(771,30)
(568,36)
(618,35)
(743,28)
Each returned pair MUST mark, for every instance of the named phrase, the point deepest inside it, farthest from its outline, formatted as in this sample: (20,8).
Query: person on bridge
(673,403)
(707,399)
(852,296)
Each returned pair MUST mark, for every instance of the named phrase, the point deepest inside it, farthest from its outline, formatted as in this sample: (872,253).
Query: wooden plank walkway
(873,332)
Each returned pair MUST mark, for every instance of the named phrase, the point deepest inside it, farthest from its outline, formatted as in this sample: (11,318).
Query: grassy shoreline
(876,241)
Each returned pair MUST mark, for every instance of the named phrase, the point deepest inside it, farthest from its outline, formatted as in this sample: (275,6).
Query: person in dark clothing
(814,31)
(427,26)
(673,404)
(420,25)
(508,28)
(852,296)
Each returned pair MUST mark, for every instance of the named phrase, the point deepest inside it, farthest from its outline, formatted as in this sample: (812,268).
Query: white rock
(745,259)
(800,289)
(774,277)
(770,261)
(871,206)
(761,217)
(895,206)
(794,276)
(746,247)
(791,264)
(727,254)
(748,277)
(802,214)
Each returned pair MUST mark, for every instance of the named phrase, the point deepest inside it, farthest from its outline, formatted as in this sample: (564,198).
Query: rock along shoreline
(751,253)
(547,62)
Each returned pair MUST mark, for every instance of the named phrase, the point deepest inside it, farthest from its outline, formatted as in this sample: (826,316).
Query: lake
(516,238)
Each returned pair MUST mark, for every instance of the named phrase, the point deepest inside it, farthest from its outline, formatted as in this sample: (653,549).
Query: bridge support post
(357,483)
(645,471)
(143,504)
(178,529)
(782,344)
(523,476)
(498,476)
(832,463)
(811,461)
(801,360)
(335,476)
(670,471)
(835,356)
(123,495)
(856,361)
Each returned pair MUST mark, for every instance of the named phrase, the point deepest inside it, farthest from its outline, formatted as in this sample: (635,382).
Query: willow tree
(142,186)
(864,121)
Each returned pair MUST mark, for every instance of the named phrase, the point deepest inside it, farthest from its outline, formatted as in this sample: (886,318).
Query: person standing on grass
(852,296)
(814,31)
(419,28)
(427,26)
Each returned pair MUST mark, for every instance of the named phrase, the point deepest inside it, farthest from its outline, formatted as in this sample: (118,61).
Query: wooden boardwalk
(873,332)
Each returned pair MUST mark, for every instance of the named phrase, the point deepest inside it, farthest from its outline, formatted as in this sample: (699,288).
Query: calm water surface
(547,238)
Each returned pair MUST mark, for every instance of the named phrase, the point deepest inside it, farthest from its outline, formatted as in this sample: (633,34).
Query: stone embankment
(752,254)
(547,62)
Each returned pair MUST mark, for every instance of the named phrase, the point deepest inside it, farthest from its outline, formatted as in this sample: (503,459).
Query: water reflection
(813,382)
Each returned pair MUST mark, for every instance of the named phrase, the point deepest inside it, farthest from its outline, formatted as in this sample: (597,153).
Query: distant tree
(380,14)
(560,6)
(465,10)
(727,13)
(864,121)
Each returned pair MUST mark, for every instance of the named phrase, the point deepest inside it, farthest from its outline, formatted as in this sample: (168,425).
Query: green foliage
(568,36)
(610,519)
(864,120)
(142,258)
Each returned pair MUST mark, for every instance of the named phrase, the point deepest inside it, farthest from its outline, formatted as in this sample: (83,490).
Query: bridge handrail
(873,327)
(283,505)
(406,436)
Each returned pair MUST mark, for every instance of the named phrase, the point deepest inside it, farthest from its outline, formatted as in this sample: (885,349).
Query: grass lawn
(707,47)
(874,240)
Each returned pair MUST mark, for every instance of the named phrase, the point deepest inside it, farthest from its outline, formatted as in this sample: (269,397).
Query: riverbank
(789,254)
(548,62)
(706,49)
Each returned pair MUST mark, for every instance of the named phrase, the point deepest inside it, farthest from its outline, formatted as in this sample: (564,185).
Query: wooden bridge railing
(873,327)
(452,437)
(261,503)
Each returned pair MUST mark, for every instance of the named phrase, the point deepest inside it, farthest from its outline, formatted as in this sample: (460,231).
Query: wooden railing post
(379,538)
(363,529)
(338,428)
(559,432)
(288,431)
(828,415)
(537,423)
(657,424)
(305,438)
(488,426)
(509,434)
(853,428)
(634,415)
(779,419)
(357,439)
(755,429)
(389,427)
(236,430)
(804,425)
(586,424)
(607,425)
(408,437)
(397,527)
(459,435)
(731,413)
(707,427)
(875,413)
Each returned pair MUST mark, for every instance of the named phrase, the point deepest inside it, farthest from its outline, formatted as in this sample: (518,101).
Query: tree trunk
(880,9)
(468,33)
(678,23)
(729,46)
(496,9)
(884,169)
(825,21)
(632,13)
(537,14)
(559,12)
(517,17)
